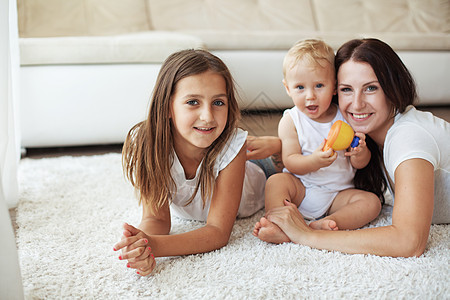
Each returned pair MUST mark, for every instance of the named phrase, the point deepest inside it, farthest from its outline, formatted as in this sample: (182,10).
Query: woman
(410,155)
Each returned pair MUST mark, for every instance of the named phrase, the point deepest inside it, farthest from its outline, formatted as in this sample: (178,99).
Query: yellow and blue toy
(340,137)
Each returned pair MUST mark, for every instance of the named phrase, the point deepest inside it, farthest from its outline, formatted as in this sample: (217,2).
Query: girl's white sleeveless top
(252,198)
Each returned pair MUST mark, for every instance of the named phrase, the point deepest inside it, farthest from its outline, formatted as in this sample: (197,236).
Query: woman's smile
(360,116)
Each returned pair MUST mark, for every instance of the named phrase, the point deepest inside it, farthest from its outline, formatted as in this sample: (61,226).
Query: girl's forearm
(204,239)
(154,227)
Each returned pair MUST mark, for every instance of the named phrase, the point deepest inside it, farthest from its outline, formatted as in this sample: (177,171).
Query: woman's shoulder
(419,125)
(417,134)
(415,117)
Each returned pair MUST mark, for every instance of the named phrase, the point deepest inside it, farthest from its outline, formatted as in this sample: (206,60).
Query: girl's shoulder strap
(232,148)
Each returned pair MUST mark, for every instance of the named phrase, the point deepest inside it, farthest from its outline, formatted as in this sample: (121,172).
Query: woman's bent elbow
(413,245)
(418,248)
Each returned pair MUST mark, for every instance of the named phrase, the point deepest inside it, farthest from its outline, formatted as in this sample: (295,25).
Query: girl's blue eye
(300,87)
(219,103)
(319,85)
(192,102)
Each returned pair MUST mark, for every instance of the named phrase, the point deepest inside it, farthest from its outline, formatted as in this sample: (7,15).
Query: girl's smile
(204,130)
(199,111)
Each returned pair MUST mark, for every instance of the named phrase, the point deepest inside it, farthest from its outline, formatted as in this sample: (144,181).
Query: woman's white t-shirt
(252,198)
(418,134)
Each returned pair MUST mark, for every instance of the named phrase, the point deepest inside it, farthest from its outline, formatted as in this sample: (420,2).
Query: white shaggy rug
(70,215)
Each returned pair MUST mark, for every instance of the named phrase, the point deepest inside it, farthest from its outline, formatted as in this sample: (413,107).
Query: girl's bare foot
(324,224)
(269,232)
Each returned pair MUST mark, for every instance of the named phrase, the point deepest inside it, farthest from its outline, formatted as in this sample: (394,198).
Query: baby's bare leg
(278,187)
(352,209)
(283,186)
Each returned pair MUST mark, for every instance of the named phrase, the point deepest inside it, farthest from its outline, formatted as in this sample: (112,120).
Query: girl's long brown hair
(399,87)
(147,154)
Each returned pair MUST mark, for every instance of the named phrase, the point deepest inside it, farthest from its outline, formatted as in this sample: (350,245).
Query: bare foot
(269,232)
(256,229)
(324,224)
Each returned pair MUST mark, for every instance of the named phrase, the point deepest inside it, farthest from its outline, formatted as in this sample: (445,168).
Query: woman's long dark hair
(399,87)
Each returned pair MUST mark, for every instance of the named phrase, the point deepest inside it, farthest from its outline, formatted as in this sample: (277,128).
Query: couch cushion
(277,25)
(50,18)
(403,24)
(284,39)
(143,47)
(231,15)
(401,16)
(246,40)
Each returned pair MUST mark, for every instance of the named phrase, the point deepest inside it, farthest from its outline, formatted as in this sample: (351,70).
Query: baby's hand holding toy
(340,137)
(360,147)
(324,158)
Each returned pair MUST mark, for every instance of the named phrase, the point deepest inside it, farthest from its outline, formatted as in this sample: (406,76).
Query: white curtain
(10,279)
(9,75)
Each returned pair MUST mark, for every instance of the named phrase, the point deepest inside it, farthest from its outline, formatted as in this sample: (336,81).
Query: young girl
(188,159)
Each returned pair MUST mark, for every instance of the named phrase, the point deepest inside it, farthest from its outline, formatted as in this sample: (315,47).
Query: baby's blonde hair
(311,50)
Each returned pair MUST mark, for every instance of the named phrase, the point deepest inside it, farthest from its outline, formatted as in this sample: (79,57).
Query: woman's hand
(260,147)
(136,249)
(291,221)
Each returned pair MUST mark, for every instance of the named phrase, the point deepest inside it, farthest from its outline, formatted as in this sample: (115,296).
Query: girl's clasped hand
(136,250)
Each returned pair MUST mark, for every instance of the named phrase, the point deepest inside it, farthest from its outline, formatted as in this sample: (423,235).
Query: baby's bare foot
(324,224)
(269,232)
(256,229)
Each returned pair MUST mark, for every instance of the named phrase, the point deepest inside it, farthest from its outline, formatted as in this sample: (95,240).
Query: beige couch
(88,67)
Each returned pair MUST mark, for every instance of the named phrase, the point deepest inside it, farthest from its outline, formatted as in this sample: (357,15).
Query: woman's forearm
(404,238)
(382,241)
